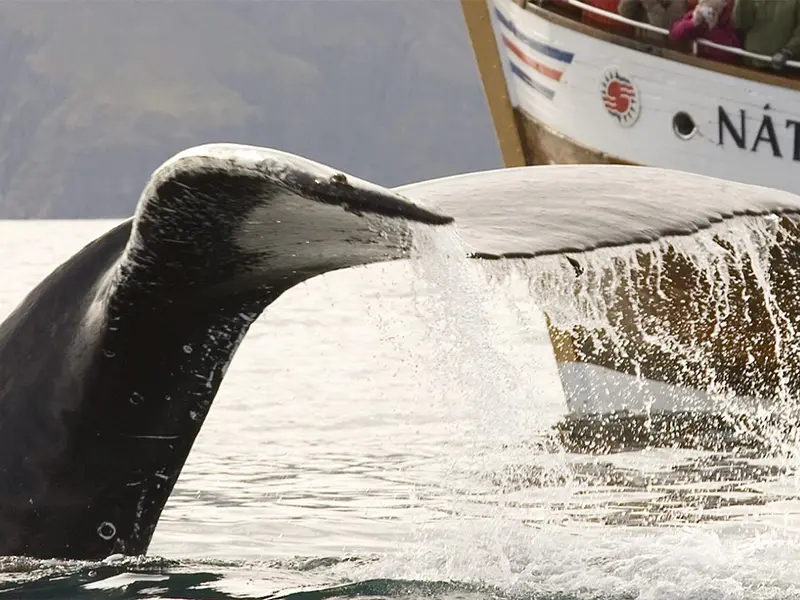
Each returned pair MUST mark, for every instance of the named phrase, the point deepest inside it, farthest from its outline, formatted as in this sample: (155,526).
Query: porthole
(684,126)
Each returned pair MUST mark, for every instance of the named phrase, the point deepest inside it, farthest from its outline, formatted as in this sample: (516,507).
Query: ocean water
(386,432)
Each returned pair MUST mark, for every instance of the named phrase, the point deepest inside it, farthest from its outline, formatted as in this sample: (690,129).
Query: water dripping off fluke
(486,371)
(689,341)
(477,346)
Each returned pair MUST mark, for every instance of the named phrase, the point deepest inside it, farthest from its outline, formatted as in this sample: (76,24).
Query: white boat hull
(622,102)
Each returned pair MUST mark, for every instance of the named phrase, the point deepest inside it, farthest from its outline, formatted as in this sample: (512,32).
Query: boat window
(683,125)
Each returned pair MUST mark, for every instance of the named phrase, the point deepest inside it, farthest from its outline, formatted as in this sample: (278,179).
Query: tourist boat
(569,82)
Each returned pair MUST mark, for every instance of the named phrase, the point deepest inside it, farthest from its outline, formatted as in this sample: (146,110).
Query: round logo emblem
(621,98)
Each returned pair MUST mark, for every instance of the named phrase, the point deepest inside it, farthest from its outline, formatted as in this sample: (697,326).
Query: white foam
(728,562)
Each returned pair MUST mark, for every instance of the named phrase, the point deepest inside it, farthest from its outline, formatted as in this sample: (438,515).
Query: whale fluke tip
(422,215)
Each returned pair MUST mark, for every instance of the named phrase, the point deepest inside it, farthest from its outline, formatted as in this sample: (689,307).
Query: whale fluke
(713,317)
(109,367)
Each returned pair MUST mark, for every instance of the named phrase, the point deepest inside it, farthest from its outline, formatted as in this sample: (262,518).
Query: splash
(704,322)
(481,365)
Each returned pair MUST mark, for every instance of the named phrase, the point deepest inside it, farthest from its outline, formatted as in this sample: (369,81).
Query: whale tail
(110,365)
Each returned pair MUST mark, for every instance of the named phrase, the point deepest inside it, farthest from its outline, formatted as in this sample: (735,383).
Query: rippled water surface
(379,435)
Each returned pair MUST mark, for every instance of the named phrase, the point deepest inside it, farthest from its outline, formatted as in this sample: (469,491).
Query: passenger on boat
(771,28)
(659,13)
(711,20)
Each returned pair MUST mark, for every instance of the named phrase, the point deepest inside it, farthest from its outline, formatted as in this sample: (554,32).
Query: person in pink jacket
(711,20)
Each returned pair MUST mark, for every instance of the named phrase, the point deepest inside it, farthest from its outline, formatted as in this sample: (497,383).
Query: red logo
(621,98)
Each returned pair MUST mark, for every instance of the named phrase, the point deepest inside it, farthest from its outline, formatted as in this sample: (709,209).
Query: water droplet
(106,530)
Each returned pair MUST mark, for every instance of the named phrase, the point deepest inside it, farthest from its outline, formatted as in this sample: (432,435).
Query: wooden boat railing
(652,28)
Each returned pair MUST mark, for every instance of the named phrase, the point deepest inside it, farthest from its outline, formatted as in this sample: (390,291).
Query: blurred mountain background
(96,94)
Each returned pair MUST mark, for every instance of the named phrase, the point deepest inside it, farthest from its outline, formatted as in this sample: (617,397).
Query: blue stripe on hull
(565,57)
(534,85)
